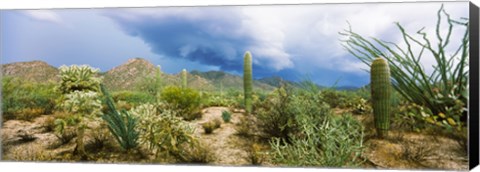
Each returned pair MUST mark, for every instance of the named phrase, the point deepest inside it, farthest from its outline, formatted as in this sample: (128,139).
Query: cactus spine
(247,81)
(184,78)
(381,95)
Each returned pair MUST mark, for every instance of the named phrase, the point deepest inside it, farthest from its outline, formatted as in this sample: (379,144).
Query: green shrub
(335,98)
(209,127)
(213,99)
(162,132)
(335,141)
(133,97)
(184,101)
(226,116)
(276,115)
(360,106)
(26,100)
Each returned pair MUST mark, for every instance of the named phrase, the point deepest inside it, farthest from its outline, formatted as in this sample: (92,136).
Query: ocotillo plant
(184,78)
(381,95)
(247,81)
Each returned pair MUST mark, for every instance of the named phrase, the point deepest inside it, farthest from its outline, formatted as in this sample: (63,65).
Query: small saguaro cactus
(247,81)
(158,80)
(381,95)
(184,78)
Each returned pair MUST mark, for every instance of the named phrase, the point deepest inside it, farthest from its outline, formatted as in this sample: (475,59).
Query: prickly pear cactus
(184,78)
(381,95)
(247,81)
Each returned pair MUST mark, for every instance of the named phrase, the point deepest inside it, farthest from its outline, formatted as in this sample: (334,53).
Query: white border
(49,4)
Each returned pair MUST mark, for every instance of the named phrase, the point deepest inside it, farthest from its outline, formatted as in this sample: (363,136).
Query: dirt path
(228,148)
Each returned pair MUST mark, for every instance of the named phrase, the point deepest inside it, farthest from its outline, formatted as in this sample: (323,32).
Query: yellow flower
(451,122)
(441,114)
(430,120)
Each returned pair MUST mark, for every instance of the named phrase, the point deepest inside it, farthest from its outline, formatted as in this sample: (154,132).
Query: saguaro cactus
(158,80)
(381,95)
(184,78)
(247,81)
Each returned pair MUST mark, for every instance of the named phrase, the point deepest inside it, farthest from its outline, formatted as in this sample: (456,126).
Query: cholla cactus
(85,103)
(160,130)
(247,81)
(80,86)
(381,95)
(78,78)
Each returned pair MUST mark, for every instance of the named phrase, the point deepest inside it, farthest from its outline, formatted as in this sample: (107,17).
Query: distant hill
(36,71)
(133,73)
(228,81)
(127,75)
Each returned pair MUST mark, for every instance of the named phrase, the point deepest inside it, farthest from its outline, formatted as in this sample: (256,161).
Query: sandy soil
(228,148)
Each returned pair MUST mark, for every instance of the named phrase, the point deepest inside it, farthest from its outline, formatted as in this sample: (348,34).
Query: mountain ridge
(131,74)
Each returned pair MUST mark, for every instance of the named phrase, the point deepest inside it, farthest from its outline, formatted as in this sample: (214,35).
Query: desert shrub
(161,131)
(211,125)
(199,153)
(217,100)
(255,154)
(32,153)
(335,98)
(226,116)
(133,98)
(64,132)
(99,138)
(359,106)
(26,100)
(236,98)
(444,91)
(121,124)
(185,102)
(335,141)
(409,116)
(208,127)
(276,116)
(246,127)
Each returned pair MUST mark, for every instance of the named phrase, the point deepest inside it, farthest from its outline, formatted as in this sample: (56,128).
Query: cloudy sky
(291,41)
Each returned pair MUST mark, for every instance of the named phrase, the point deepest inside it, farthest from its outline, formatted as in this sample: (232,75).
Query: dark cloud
(208,40)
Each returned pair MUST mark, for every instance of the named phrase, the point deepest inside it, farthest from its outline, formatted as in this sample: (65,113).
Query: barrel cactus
(184,78)
(247,81)
(381,95)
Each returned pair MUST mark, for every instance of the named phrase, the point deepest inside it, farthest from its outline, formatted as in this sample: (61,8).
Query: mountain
(127,75)
(36,71)
(229,81)
(137,72)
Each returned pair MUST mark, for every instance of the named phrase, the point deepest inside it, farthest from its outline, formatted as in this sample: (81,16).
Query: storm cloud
(291,41)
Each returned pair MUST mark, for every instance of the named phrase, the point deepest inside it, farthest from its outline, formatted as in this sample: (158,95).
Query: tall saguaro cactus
(247,81)
(381,95)
(184,78)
